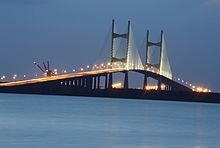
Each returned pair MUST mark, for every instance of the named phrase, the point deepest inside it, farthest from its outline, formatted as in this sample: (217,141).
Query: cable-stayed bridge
(132,59)
(123,58)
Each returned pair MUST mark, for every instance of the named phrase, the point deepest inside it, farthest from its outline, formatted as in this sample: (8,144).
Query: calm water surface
(31,121)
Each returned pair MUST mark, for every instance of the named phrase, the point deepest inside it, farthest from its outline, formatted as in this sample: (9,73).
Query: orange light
(153,87)
(117,85)
(202,90)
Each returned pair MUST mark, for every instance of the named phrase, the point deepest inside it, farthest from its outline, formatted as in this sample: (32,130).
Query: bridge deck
(59,77)
(97,73)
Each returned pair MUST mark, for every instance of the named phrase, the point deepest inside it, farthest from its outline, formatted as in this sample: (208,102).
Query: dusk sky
(70,33)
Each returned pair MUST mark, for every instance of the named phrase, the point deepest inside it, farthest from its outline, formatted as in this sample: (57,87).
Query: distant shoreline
(119,93)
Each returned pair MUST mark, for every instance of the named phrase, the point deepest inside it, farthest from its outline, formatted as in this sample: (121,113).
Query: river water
(35,121)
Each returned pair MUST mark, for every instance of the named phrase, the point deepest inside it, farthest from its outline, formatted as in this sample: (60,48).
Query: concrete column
(126,81)
(145,81)
(159,84)
(106,81)
(94,82)
(83,82)
(110,81)
(98,87)
(77,82)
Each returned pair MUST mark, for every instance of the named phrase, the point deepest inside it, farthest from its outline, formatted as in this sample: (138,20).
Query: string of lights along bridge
(123,55)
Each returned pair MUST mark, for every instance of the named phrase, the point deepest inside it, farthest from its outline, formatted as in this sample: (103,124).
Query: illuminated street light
(3,77)
(14,76)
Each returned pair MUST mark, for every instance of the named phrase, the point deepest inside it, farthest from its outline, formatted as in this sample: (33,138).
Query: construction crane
(46,70)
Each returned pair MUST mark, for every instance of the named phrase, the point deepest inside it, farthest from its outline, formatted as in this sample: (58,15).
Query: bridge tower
(163,66)
(115,35)
(116,60)
(157,44)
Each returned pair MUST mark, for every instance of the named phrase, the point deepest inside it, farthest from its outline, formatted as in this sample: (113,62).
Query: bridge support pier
(145,81)
(168,87)
(98,86)
(79,83)
(159,84)
(89,83)
(94,82)
(126,80)
(106,81)
(82,82)
(110,81)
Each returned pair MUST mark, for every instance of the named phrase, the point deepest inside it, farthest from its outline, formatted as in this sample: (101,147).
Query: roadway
(58,77)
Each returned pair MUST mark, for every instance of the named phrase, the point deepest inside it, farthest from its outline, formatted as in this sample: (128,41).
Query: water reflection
(55,121)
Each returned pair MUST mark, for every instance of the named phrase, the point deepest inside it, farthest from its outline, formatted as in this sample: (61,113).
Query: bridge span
(123,60)
(91,80)
(89,84)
